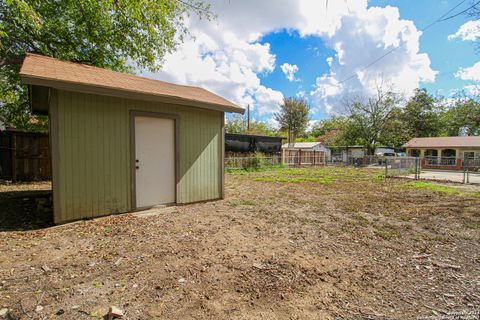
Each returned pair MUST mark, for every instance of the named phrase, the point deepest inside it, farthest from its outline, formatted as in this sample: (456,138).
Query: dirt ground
(320,243)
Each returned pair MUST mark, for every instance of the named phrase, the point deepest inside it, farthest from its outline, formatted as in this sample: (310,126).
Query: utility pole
(248,118)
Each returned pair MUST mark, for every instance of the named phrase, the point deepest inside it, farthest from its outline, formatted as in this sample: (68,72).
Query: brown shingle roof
(50,72)
(444,142)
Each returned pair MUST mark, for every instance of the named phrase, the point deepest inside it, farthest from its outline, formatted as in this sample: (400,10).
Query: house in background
(305,153)
(121,142)
(309,146)
(343,154)
(445,152)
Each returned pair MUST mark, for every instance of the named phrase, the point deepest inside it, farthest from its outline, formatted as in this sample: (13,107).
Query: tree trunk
(291,139)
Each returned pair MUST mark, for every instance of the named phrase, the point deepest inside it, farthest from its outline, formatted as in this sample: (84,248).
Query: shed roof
(303,145)
(444,142)
(50,72)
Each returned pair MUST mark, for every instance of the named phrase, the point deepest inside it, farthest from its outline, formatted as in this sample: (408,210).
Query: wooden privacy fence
(24,156)
(296,157)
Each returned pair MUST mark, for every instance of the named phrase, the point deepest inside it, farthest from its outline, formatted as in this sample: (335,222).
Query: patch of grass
(287,179)
(319,175)
(242,202)
(247,202)
(386,231)
(471,224)
(361,220)
(434,187)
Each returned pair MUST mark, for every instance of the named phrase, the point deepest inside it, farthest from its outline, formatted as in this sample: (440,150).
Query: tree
(103,33)
(293,117)
(463,118)
(421,115)
(369,116)
(334,131)
(238,124)
(262,128)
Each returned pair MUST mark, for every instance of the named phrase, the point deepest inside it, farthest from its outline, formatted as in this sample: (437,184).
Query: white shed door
(154,161)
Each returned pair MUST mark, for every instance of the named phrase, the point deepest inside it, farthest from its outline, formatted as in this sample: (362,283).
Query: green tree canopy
(293,117)
(238,124)
(422,115)
(369,117)
(463,118)
(103,33)
(335,131)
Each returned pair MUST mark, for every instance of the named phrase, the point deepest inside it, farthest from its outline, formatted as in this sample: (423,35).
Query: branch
(196,7)
(11,61)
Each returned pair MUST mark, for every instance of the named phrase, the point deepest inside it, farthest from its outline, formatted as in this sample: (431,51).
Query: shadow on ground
(25,210)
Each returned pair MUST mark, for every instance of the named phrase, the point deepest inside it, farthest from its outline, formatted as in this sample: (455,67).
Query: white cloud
(472,73)
(225,57)
(224,64)
(469,31)
(289,70)
(362,38)
(268,100)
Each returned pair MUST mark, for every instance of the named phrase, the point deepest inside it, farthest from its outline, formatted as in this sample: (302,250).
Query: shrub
(256,160)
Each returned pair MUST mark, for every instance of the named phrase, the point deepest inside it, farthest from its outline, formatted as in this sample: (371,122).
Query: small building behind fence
(446,153)
(305,153)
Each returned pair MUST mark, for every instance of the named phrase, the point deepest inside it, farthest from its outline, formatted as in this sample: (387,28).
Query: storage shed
(121,142)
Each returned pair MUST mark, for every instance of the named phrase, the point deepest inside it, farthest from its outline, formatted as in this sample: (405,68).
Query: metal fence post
(416,169)
(386,168)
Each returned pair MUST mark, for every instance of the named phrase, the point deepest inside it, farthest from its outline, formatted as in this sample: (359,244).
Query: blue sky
(245,54)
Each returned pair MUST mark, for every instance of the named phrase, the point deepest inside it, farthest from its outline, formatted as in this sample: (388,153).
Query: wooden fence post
(299,157)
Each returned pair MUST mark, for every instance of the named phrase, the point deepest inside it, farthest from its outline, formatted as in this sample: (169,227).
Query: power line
(441,18)
(462,12)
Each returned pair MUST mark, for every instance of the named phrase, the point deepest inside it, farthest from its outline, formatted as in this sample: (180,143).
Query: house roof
(444,142)
(303,145)
(50,72)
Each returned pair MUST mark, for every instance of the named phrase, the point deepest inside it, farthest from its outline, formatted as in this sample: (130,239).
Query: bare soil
(321,243)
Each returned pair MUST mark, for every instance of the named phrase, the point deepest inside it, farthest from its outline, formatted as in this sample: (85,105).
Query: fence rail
(287,157)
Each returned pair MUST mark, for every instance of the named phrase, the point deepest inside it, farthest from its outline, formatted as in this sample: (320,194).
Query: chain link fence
(442,170)
(402,167)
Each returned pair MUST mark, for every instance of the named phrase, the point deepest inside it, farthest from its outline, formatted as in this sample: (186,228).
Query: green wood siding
(93,165)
